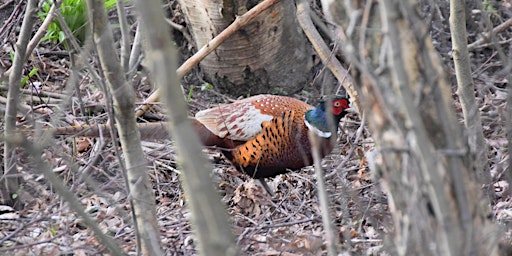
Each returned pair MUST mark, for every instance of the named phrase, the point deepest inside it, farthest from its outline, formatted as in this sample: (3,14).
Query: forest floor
(287,224)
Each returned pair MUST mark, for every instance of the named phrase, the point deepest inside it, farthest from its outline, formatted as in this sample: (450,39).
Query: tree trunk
(270,55)
(421,158)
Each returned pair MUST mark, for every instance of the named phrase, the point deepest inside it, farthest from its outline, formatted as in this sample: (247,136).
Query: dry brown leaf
(353,233)
(313,243)
(82,144)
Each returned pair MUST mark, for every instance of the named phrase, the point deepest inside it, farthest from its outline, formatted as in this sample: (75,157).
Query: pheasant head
(325,117)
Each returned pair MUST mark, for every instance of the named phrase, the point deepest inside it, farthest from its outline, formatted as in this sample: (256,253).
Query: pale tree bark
(466,90)
(270,55)
(209,219)
(240,23)
(421,157)
(9,178)
(138,184)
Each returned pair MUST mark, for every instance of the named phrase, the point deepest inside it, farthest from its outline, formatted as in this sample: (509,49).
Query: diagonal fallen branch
(240,22)
(328,58)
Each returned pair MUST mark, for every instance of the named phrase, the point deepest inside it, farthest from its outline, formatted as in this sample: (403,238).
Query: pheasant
(263,135)
(267,135)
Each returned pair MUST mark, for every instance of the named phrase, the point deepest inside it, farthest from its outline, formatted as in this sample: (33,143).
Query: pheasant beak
(351,110)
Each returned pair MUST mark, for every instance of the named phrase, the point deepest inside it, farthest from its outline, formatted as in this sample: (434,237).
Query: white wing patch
(317,131)
(235,121)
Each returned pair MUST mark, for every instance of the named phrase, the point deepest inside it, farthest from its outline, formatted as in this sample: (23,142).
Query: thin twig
(332,237)
(68,196)
(42,29)
(487,36)
(125,36)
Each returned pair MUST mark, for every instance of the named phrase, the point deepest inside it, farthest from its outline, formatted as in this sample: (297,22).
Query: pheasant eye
(344,103)
(337,104)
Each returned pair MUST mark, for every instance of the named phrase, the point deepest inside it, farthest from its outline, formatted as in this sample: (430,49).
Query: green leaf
(110,4)
(33,72)
(53,230)
(190,92)
(24,81)
(74,13)
(206,86)
(61,36)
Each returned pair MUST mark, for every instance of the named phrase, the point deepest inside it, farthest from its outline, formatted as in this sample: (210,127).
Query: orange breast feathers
(261,135)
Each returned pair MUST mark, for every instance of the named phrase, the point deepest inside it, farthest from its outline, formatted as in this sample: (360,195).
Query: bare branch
(208,215)
(327,56)
(140,189)
(466,89)
(9,179)
(68,196)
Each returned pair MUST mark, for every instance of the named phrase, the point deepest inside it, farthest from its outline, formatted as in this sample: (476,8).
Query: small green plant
(32,73)
(489,6)
(190,93)
(74,13)
(53,230)
(206,86)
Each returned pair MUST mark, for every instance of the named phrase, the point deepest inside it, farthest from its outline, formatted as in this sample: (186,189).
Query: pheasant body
(267,135)
(263,135)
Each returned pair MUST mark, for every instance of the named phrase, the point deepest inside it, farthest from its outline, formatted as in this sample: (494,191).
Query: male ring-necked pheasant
(267,135)
(264,135)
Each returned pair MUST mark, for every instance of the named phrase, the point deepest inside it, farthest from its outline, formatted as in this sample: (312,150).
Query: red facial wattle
(339,105)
